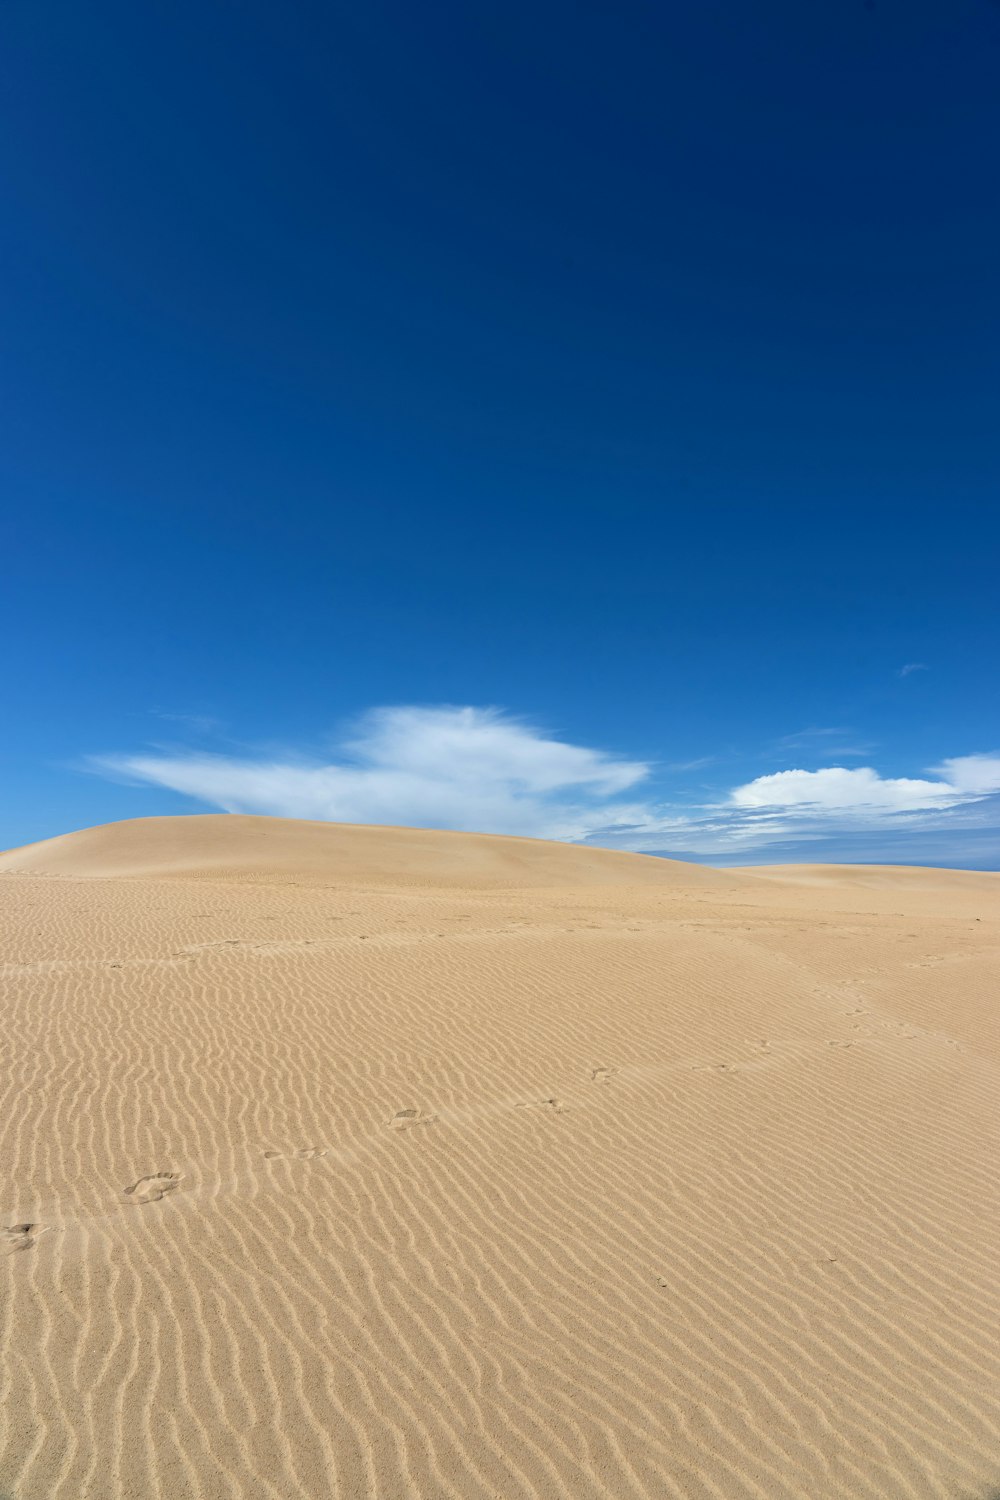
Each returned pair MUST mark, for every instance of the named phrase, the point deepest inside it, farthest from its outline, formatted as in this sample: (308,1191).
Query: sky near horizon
(562,420)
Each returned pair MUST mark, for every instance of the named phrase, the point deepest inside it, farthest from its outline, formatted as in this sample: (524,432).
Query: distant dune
(377,1162)
(880,877)
(229,846)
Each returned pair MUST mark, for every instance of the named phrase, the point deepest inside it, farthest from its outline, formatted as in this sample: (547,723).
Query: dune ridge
(366,1162)
(234,846)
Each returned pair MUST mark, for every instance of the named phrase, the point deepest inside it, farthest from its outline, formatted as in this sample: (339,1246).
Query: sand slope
(219,845)
(365,1162)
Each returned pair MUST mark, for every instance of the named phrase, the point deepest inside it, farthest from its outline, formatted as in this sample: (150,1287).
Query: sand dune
(343,1162)
(222,846)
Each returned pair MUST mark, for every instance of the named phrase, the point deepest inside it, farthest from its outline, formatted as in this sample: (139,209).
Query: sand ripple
(311,1188)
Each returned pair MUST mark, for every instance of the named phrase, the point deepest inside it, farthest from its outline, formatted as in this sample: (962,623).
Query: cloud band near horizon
(482,770)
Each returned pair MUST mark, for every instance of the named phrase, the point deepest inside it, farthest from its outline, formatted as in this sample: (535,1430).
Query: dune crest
(342,1161)
(234,846)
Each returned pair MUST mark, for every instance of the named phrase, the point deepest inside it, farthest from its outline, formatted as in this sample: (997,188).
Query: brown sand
(342,1162)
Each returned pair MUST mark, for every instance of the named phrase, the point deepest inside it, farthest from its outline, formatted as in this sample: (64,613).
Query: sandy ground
(371,1163)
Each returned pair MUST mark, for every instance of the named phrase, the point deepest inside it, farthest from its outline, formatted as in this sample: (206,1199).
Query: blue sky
(568,420)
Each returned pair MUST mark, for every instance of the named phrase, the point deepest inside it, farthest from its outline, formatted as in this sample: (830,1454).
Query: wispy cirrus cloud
(826,742)
(698,764)
(199,724)
(483,770)
(913,666)
(464,768)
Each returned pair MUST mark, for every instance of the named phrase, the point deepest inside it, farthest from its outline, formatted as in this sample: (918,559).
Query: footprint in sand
(21,1236)
(552,1104)
(404,1118)
(152,1189)
(602,1075)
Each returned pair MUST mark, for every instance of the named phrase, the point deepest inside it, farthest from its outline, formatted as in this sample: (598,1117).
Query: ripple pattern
(344,1191)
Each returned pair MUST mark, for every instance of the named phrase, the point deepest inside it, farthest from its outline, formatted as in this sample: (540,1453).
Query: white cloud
(836,789)
(913,666)
(467,768)
(797,806)
(976,774)
(484,771)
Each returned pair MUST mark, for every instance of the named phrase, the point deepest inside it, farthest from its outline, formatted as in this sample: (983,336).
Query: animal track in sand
(404,1118)
(303,1153)
(152,1189)
(21,1236)
(602,1075)
(552,1104)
